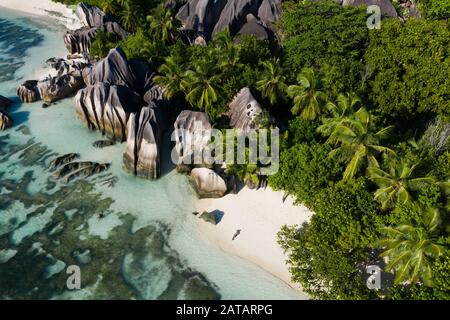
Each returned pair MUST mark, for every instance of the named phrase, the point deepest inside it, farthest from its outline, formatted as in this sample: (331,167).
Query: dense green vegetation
(367,143)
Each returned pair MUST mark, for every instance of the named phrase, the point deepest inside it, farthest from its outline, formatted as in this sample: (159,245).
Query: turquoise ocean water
(146,247)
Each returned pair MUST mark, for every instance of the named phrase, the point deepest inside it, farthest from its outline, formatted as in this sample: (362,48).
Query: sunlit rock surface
(142,154)
(207,183)
(29,91)
(243,110)
(107,108)
(192,131)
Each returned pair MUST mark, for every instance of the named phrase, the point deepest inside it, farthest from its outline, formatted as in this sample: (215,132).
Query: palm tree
(129,16)
(396,184)
(307,95)
(171,75)
(272,83)
(341,111)
(161,24)
(412,248)
(200,85)
(110,6)
(359,143)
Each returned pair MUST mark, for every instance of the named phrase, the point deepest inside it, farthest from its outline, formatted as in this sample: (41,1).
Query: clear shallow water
(146,247)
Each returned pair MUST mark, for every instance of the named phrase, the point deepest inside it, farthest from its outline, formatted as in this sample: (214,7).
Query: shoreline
(259,214)
(44,8)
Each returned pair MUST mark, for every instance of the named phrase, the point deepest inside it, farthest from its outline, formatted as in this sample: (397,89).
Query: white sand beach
(58,11)
(259,214)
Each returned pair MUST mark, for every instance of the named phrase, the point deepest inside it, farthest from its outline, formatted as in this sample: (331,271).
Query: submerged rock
(142,152)
(87,171)
(5,121)
(4,103)
(106,108)
(243,110)
(207,183)
(66,158)
(386,7)
(103,143)
(70,167)
(72,170)
(192,134)
(28,91)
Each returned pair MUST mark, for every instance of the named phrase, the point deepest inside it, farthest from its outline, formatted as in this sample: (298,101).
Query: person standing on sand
(238,232)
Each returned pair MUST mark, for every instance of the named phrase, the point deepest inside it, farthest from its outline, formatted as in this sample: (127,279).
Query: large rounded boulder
(207,183)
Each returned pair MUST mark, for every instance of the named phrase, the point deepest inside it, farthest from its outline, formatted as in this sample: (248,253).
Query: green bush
(324,255)
(304,171)
(411,70)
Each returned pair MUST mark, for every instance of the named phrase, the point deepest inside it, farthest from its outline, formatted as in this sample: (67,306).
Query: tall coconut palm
(340,111)
(412,248)
(161,25)
(309,100)
(129,16)
(171,75)
(200,85)
(359,143)
(272,82)
(396,184)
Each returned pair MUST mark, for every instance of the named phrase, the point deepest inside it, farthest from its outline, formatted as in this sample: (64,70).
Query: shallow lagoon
(146,247)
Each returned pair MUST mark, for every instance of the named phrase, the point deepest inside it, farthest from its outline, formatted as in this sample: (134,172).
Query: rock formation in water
(67,81)
(56,88)
(192,133)
(103,143)
(5,121)
(142,154)
(28,91)
(87,171)
(386,7)
(243,110)
(71,170)
(107,108)
(207,183)
(61,160)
